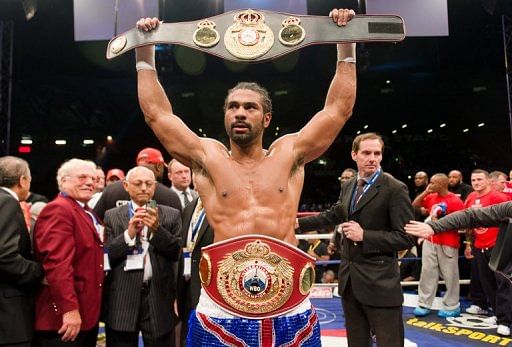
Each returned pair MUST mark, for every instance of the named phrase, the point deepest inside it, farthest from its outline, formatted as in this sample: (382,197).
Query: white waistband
(208,307)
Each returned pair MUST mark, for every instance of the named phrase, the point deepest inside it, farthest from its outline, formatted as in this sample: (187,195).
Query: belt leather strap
(315,30)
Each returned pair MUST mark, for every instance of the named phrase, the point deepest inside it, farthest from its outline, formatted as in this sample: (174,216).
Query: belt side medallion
(249,37)
(292,33)
(205,35)
(255,280)
(118,44)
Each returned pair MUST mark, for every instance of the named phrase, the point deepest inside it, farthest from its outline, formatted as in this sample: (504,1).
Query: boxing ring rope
(331,262)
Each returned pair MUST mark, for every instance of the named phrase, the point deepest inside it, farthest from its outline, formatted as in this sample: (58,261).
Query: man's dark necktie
(359,190)
(186,198)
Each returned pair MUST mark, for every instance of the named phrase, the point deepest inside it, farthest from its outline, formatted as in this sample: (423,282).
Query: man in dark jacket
(372,209)
(19,275)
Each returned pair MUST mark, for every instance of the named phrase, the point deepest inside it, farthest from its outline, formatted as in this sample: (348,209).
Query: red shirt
(439,206)
(485,237)
(508,189)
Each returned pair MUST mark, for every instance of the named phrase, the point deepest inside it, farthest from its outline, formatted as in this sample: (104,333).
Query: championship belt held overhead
(258,35)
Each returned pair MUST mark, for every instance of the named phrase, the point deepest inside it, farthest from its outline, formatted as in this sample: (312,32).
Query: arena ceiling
(67,89)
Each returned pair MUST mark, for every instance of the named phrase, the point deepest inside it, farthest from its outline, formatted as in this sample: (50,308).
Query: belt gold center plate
(255,280)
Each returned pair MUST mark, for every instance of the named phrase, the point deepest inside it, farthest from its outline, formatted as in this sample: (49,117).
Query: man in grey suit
(19,275)
(372,209)
(143,240)
(196,233)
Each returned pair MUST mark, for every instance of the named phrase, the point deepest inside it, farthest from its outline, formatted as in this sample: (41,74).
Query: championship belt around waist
(258,35)
(256,276)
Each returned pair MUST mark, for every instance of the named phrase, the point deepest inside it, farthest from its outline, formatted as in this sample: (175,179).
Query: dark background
(66,89)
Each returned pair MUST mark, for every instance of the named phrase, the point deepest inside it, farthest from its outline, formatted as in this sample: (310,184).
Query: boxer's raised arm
(181,142)
(318,134)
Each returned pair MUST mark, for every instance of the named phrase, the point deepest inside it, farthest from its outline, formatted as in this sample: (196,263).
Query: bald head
(455,178)
(439,183)
(420,179)
(140,184)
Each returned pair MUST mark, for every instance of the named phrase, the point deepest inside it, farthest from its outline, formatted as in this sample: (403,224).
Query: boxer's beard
(245,138)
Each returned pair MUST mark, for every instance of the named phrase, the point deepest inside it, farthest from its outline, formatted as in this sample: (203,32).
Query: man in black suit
(142,241)
(115,195)
(196,233)
(372,210)
(19,275)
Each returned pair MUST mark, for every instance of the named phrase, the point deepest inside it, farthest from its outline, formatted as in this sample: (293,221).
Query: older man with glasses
(68,241)
(143,241)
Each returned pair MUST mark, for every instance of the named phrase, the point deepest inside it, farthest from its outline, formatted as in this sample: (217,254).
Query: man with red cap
(114,175)
(115,195)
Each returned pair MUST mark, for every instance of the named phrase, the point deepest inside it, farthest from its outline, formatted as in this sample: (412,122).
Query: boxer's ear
(267,117)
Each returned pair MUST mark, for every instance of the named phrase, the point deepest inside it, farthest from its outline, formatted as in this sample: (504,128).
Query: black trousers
(476,292)
(361,320)
(185,312)
(52,339)
(116,338)
(497,287)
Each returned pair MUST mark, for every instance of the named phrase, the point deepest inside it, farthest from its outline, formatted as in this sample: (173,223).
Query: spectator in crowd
(181,178)
(19,274)
(114,175)
(456,185)
(100,185)
(420,184)
(498,180)
(35,211)
(497,215)
(329,277)
(497,289)
(439,253)
(68,243)
(142,241)
(347,174)
(100,179)
(115,195)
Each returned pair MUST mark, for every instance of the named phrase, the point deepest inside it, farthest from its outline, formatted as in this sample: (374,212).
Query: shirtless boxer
(248,190)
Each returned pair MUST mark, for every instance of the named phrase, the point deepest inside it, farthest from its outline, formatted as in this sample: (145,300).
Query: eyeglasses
(139,184)
(83,178)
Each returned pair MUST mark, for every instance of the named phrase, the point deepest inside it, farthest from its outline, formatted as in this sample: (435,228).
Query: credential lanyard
(365,189)
(197,225)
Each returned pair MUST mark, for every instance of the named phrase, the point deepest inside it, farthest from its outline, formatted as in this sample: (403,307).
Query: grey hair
(11,169)
(496,174)
(67,168)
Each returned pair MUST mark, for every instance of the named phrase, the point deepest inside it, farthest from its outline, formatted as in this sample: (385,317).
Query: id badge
(134,261)
(106,262)
(101,232)
(187,263)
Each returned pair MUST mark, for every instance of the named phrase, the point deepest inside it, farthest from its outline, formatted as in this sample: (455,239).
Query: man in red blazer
(68,243)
